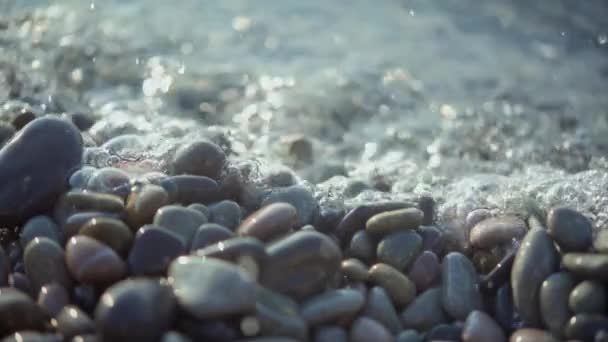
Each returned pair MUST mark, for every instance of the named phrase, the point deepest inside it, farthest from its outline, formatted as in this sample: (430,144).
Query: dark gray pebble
(5,267)
(45,264)
(399,249)
(278,315)
(460,291)
(332,306)
(19,312)
(425,270)
(187,189)
(479,327)
(445,332)
(249,253)
(209,234)
(201,158)
(532,335)
(226,213)
(143,202)
(432,239)
(584,327)
(570,229)
(587,265)
(362,246)
(153,250)
(554,296)
(92,262)
(300,198)
(379,307)
(182,221)
(331,333)
(588,297)
(52,298)
(496,231)
(408,336)
(40,226)
(425,312)
(32,336)
(365,329)
(71,322)
(112,232)
(270,222)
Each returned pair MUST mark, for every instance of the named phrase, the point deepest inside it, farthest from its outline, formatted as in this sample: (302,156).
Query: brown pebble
(531,335)
(497,231)
(354,270)
(395,220)
(399,287)
(92,262)
(269,222)
(479,327)
(112,232)
(143,202)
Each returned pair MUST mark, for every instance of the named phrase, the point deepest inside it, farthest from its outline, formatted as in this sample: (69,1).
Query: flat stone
(497,231)
(71,322)
(270,222)
(395,220)
(532,335)
(535,260)
(226,213)
(479,327)
(135,310)
(112,232)
(52,298)
(154,249)
(300,198)
(211,288)
(460,292)
(425,270)
(554,296)
(19,312)
(587,265)
(584,327)
(365,329)
(143,202)
(331,333)
(362,246)
(278,315)
(571,230)
(209,234)
(202,158)
(588,297)
(44,264)
(425,312)
(354,270)
(180,220)
(399,287)
(186,189)
(399,249)
(31,185)
(40,226)
(92,262)
(332,306)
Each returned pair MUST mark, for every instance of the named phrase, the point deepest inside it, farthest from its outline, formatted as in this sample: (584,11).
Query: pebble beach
(320,171)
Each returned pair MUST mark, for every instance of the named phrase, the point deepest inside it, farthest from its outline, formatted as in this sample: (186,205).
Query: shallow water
(498,105)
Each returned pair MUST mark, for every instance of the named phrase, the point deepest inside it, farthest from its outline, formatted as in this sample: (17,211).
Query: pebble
(460,292)
(226,213)
(554,297)
(135,310)
(408,336)
(500,274)
(79,179)
(497,231)
(32,336)
(77,201)
(182,221)
(269,222)
(380,308)
(107,179)
(584,327)
(188,189)
(365,329)
(479,327)
(211,288)
(74,223)
(399,287)
(143,202)
(477,215)
(44,264)
(503,308)
(279,315)
(82,121)
(92,262)
(425,270)
(71,322)
(201,158)
(174,336)
(362,247)
(52,298)
(19,312)
(203,209)
(532,335)
(425,312)
(588,297)
(301,264)
(208,329)
(587,265)
(571,230)
(354,270)
(332,306)
(209,234)
(395,220)
(153,250)
(110,231)
(328,218)
(399,249)
(40,226)
(31,185)
(300,198)
(20,282)
(445,332)
(331,333)
(85,296)
(535,260)
(432,239)
(5,267)
(600,243)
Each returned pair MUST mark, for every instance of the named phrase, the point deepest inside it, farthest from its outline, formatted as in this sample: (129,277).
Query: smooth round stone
(19,312)
(5,267)
(174,336)
(209,234)
(554,296)
(52,298)
(477,215)
(278,315)
(78,201)
(362,247)
(92,262)
(21,282)
(425,270)
(479,327)
(331,333)
(182,221)
(201,158)
(531,335)
(135,310)
(143,202)
(74,223)
(39,226)
(571,230)
(399,249)
(399,288)
(107,179)
(425,312)
(249,253)
(408,336)
(460,291)
(497,231)
(600,243)
(432,239)
(80,178)
(588,297)
(58,148)
(499,275)
(445,332)
(587,265)
(300,198)
(379,307)
(82,121)
(226,213)
(393,221)
(210,288)
(187,189)
(584,327)
(535,260)
(153,250)
(301,264)
(269,222)
(354,270)
(112,232)
(356,218)
(32,336)
(503,308)
(44,264)
(71,322)
(365,329)
(328,218)
(203,209)
(332,306)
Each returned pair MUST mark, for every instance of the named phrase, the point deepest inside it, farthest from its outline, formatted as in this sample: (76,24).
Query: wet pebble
(425,312)
(74,223)
(182,221)
(497,231)
(106,179)
(503,308)
(269,222)
(188,189)
(600,243)
(479,327)
(476,216)
(432,239)
(52,298)
(19,312)
(365,329)
(143,202)
(362,246)
(153,250)
(208,329)
(331,333)
(135,310)
(92,262)
(445,332)
(82,121)
(45,264)
(209,234)
(588,297)
(279,315)
(554,297)
(379,307)
(71,322)
(531,335)
(399,287)
(226,213)
(393,221)
(21,282)
(110,231)
(460,292)
(584,327)
(354,270)
(80,201)
(40,226)
(211,288)
(425,270)
(300,198)
(201,158)
(571,230)
(499,275)
(203,209)
(587,265)
(85,296)
(332,306)
(247,252)
(399,249)
(408,336)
